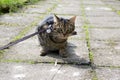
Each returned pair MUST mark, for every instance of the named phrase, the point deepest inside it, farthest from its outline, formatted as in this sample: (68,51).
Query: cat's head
(63,28)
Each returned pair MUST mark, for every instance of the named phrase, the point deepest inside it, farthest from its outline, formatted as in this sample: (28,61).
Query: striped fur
(57,39)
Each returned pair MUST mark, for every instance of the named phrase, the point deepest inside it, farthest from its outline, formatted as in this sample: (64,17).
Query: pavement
(94,53)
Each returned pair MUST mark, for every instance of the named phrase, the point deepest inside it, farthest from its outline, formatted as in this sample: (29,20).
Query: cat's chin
(63,38)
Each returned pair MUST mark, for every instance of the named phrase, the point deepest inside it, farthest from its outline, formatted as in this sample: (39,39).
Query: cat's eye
(59,30)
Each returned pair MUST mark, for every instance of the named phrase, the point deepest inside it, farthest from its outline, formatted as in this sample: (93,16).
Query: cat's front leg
(43,52)
(63,53)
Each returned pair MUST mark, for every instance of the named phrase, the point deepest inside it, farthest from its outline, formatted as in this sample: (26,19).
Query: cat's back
(48,20)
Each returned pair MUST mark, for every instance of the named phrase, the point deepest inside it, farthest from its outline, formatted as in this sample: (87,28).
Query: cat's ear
(56,18)
(72,19)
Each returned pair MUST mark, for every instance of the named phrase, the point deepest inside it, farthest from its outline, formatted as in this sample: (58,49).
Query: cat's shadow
(72,57)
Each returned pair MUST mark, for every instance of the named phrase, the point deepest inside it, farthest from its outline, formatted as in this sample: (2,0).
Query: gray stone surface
(18,19)
(106,53)
(90,13)
(7,33)
(67,8)
(17,71)
(104,21)
(106,57)
(98,44)
(73,73)
(70,2)
(42,2)
(37,8)
(117,7)
(104,34)
(97,8)
(113,3)
(104,42)
(93,2)
(108,73)
(116,46)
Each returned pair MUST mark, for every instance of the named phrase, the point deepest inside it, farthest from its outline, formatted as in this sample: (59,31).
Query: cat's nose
(64,35)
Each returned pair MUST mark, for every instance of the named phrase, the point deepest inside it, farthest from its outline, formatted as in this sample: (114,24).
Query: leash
(7,46)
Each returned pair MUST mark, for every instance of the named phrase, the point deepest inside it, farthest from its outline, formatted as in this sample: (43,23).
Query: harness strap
(20,40)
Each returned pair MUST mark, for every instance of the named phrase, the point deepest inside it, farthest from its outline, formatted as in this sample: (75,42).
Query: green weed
(13,5)
(10,5)
(118,12)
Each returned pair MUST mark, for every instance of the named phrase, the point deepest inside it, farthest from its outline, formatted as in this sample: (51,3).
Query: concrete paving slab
(104,21)
(105,25)
(97,8)
(32,54)
(113,3)
(18,19)
(116,7)
(70,2)
(93,2)
(37,8)
(43,2)
(104,34)
(67,10)
(106,57)
(116,47)
(22,71)
(7,33)
(18,71)
(96,44)
(29,50)
(108,73)
(73,73)
(100,14)
(106,53)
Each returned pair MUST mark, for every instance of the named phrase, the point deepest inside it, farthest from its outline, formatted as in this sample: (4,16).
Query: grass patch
(18,61)
(10,5)
(94,77)
(86,27)
(1,53)
(118,12)
(91,57)
(13,5)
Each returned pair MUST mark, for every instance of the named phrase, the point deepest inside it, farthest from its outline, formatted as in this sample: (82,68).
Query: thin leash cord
(20,40)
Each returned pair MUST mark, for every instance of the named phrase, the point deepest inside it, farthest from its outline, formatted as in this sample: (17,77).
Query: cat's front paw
(63,53)
(43,53)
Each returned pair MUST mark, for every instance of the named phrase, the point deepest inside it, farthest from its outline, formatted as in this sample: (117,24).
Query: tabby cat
(56,37)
